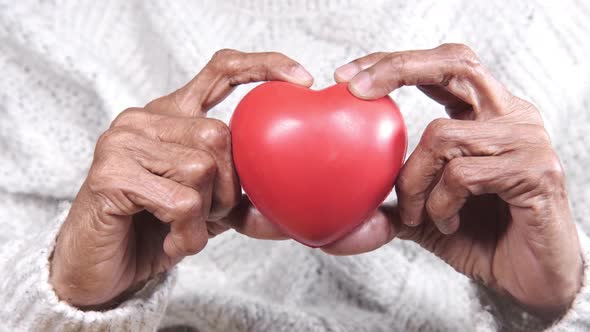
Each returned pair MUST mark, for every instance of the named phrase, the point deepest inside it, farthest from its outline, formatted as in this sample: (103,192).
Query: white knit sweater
(68,68)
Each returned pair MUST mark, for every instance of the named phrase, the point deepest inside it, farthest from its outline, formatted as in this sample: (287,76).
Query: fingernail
(346,73)
(361,84)
(410,219)
(412,222)
(301,74)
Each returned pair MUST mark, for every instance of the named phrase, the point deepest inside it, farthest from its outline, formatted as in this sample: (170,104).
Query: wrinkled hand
(162,182)
(483,190)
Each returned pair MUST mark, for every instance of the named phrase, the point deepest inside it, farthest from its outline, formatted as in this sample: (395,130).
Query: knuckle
(530,136)
(543,136)
(545,183)
(200,165)
(277,55)
(398,61)
(106,139)
(103,141)
(128,117)
(403,183)
(466,58)
(216,135)
(116,137)
(223,53)
(189,203)
(540,135)
(433,209)
(526,111)
(552,173)
(409,191)
(437,131)
(461,51)
(101,177)
(95,181)
(226,60)
(455,172)
(522,103)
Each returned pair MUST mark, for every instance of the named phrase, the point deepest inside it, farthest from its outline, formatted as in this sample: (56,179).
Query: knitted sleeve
(500,313)
(29,302)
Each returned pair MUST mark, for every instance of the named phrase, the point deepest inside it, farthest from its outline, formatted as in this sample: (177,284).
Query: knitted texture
(68,68)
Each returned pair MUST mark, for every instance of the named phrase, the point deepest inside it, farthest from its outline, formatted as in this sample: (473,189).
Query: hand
(162,182)
(483,190)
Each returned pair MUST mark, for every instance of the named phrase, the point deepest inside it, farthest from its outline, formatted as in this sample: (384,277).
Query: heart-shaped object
(316,163)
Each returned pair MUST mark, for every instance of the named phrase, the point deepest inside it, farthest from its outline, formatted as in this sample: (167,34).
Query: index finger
(452,66)
(230,68)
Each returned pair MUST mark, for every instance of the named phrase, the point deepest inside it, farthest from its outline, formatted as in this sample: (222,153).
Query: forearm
(30,303)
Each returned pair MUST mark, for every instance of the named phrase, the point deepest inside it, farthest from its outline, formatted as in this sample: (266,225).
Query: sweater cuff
(31,304)
(577,318)
(502,313)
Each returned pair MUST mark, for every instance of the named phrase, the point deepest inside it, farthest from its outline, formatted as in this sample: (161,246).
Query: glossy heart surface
(316,163)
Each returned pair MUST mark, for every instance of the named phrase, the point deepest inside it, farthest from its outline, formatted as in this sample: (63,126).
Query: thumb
(247,220)
(379,229)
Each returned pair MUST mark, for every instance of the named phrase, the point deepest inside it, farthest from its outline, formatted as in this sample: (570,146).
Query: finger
(438,93)
(246,219)
(346,72)
(446,139)
(377,230)
(179,206)
(215,228)
(455,107)
(178,172)
(169,201)
(193,168)
(465,177)
(209,135)
(453,66)
(226,70)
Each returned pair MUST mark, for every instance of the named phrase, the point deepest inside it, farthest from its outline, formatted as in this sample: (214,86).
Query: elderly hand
(162,182)
(483,190)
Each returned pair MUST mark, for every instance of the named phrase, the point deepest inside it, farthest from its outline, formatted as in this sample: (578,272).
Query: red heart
(316,163)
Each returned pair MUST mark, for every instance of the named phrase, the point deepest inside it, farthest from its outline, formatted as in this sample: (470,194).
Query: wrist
(68,279)
(65,284)
(68,288)
(562,296)
(81,300)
